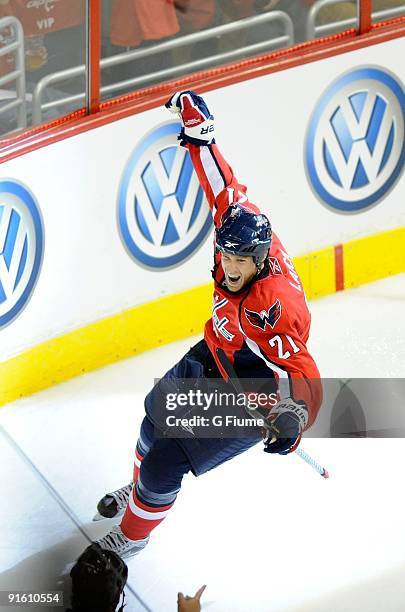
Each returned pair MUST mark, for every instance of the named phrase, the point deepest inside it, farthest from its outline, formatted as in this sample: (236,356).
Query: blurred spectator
(54,39)
(6,37)
(54,34)
(194,16)
(136,21)
(9,119)
(135,24)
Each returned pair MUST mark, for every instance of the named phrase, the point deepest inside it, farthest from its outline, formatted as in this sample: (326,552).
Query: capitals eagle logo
(265,317)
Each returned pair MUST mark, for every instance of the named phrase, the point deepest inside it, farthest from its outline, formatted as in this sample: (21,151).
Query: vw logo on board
(355,145)
(21,248)
(162,212)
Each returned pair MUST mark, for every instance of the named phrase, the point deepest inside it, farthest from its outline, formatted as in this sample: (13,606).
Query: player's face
(238,270)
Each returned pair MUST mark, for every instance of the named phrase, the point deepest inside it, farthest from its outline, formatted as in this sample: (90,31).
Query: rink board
(92,302)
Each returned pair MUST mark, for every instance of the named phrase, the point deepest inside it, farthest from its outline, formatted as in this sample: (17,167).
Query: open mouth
(233,279)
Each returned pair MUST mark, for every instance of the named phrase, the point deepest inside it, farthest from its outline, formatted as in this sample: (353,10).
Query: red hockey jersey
(39,17)
(263,328)
(133,21)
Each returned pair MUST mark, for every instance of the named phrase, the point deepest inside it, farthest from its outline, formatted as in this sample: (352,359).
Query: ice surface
(266,534)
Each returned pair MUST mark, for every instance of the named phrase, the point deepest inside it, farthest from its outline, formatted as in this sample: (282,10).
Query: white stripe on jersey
(283,380)
(150,516)
(212,173)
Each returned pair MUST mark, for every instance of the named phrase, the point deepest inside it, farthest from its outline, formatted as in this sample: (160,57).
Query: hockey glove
(286,422)
(198,123)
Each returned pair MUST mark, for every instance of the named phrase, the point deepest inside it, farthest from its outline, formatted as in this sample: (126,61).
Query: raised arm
(216,176)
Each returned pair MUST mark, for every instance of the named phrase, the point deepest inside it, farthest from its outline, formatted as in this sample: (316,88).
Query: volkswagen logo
(21,248)
(355,146)
(162,212)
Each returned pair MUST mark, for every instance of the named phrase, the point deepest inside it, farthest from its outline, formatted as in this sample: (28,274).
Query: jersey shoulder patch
(275,268)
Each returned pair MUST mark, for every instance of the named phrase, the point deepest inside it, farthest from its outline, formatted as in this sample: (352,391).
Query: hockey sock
(145,511)
(137,463)
(142,448)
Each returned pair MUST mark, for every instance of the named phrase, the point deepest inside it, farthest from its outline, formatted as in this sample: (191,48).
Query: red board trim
(339,268)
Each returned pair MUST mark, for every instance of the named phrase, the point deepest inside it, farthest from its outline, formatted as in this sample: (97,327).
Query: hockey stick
(234,381)
(318,468)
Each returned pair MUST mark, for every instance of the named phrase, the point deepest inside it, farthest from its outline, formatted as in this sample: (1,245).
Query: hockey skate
(117,542)
(113,504)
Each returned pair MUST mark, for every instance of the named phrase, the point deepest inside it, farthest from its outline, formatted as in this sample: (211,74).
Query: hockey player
(260,325)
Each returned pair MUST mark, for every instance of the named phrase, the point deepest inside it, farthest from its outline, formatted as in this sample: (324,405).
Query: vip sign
(163,215)
(21,248)
(355,145)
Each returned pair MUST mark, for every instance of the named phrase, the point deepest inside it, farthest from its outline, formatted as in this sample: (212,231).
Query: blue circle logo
(21,248)
(355,145)
(162,212)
